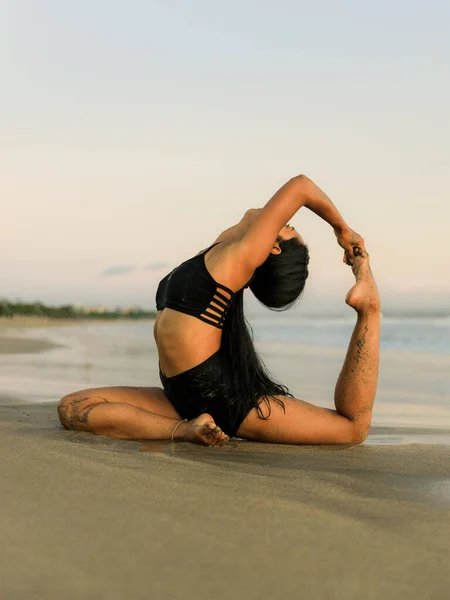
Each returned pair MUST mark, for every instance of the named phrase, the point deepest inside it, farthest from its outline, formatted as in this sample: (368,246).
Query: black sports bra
(191,289)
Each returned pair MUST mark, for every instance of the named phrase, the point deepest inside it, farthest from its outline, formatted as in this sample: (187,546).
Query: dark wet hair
(280,280)
(277,284)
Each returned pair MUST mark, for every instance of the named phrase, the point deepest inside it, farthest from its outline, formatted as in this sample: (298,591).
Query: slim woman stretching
(214,384)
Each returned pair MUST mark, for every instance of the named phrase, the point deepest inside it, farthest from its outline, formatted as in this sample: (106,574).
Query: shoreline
(13,345)
(9,344)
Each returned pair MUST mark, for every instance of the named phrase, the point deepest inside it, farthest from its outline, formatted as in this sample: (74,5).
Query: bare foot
(364,296)
(201,430)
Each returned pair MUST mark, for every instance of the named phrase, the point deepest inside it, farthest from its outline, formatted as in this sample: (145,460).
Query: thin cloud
(155,266)
(117,270)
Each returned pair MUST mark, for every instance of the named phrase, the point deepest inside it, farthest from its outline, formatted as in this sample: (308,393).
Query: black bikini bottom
(203,389)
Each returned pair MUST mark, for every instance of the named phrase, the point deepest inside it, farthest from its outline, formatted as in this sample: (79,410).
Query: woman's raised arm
(297,192)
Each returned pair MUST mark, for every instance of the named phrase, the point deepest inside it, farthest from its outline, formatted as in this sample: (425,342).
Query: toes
(221,439)
(216,436)
(210,434)
(214,433)
(212,430)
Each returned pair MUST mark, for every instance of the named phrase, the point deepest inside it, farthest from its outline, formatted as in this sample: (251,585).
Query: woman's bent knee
(74,409)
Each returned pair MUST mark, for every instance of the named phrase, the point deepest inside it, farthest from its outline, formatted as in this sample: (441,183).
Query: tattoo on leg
(78,400)
(361,343)
(77,418)
(84,414)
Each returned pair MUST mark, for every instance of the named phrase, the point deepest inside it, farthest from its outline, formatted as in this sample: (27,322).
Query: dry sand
(85,517)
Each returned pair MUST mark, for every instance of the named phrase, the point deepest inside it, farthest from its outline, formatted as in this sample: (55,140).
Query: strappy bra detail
(191,289)
(217,309)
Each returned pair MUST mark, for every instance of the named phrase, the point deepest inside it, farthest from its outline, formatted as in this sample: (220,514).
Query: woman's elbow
(302,184)
(301,179)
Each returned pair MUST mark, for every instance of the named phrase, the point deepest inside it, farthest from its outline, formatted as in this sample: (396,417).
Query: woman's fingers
(356,251)
(360,251)
(353,245)
(347,260)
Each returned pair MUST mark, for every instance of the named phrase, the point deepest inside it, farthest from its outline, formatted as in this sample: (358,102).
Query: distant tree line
(69,311)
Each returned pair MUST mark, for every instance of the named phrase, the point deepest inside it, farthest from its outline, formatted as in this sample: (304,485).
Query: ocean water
(304,354)
(403,335)
(429,335)
(425,335)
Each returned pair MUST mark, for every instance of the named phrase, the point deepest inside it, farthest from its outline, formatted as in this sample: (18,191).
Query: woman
(214,384)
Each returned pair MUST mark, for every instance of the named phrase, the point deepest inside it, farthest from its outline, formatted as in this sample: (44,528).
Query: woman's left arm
(320,204)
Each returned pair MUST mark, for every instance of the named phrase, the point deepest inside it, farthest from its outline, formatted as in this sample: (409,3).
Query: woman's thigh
(299,422)
(73,407)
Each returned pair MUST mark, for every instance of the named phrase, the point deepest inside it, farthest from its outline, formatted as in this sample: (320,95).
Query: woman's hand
(351,242)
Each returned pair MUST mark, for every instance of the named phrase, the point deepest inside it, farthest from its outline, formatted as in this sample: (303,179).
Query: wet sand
(89,517)
(9,344)
(32,322)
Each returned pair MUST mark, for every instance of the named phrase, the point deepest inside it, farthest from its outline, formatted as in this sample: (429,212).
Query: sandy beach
(92,518)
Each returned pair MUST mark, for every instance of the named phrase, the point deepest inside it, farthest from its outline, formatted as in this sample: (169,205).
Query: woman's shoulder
(225,262)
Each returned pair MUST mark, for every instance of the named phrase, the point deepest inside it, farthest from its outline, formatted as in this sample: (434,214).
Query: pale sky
(132,133)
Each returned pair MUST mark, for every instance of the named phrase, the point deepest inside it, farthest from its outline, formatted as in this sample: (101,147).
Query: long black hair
(277,284)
